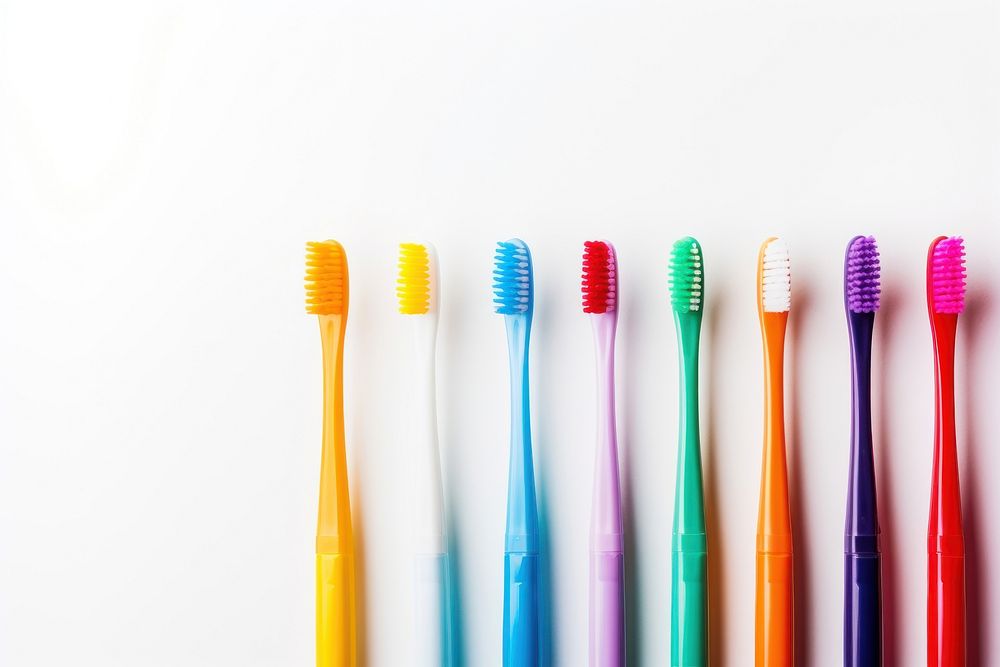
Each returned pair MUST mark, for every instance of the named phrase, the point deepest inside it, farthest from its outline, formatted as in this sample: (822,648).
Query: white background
(163,163)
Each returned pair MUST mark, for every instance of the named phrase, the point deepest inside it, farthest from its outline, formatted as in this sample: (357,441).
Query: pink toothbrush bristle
(863,276)
(599,278)
(948,276)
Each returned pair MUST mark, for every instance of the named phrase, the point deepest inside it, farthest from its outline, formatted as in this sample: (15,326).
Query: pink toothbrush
(607,572)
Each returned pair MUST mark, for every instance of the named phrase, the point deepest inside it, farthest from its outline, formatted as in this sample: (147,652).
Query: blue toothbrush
(513,298)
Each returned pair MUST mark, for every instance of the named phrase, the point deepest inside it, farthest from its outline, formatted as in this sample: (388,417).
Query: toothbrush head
(775,275)
(512,279)
(415,284)
(687,276)
(862,270)
(946,275)
(600,278)
(326,278)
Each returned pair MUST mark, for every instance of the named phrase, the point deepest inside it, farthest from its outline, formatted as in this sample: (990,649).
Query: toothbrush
(607,570)
(689,602)
(945,543)
(327,296)
(513,298)
(774,610)
(418,290)
(862,561)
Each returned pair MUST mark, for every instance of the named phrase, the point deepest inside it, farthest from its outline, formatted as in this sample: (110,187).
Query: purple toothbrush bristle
(862,281)
(948,275)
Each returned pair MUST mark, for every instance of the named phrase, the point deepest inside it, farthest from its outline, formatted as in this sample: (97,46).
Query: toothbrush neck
(606,518)
(774,526)
(862,512)
(688,343)
(334,531)
(689,509)
(428,500)
(774,383)
(522,513)
(946,505)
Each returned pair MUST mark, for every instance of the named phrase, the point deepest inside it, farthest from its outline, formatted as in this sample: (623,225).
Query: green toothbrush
(689,569)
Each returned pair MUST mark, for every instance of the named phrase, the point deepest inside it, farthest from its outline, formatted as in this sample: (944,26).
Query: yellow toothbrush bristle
(326,278)
(414,285)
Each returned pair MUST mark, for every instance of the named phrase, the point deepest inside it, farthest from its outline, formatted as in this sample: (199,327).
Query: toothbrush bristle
(862,282)
(413,288)
(511,278)
(687,276)
(776,278)
(600,278)
(948,275)
(326,277)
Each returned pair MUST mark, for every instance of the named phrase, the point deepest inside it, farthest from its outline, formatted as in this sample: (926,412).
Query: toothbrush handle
(335,636)
(775,618)
(946,611)
(862,610)
(689,615)
(432,614)
(607,609)
(520,610)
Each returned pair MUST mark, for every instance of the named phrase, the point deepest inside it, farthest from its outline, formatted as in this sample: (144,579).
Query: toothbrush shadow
(976,333)
(540,327)
(713,509)
(451,388)
(360,573)
(455,598)
(803,608)
(630,366)
(885,336)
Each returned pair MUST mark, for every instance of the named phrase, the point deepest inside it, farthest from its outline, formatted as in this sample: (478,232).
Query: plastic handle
(946,542)
(689,610)
(862,573)
(689,602)
(775,624)
(607,610)
(335,643)
(432,613)
(946,617)
(775,571)
(607,575)
(520,610)
(862,610)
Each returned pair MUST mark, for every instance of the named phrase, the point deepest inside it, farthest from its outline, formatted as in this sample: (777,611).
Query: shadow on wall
(713,508)
(633,591)
(886,330)
(975,330)
(794,446)
(541,391)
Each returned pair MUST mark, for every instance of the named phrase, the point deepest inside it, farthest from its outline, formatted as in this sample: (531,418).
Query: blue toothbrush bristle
(511,278)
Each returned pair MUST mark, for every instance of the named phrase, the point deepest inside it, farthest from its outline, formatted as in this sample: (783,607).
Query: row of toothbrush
(327,296)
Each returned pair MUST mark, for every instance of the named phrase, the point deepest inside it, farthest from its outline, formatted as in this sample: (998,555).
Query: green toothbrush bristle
(686,276)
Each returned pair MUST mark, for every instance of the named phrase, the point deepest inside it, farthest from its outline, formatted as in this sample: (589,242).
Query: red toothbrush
(945,541)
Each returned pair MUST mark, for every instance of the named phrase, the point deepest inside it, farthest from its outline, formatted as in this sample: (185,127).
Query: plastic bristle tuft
(511,279)
(948,276)
(326,275)
(600,278)
(687,276)
(776,278)
(413,288)
(862,281)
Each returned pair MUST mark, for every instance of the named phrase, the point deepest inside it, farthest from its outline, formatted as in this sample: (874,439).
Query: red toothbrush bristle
(599,288)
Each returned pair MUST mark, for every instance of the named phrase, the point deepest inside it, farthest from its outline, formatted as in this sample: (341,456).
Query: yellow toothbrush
(327,297)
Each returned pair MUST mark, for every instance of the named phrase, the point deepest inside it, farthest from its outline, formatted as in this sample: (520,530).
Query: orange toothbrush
(774,606)
(327,297)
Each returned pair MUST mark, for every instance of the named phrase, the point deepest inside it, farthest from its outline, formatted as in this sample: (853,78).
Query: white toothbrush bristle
(776,278)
